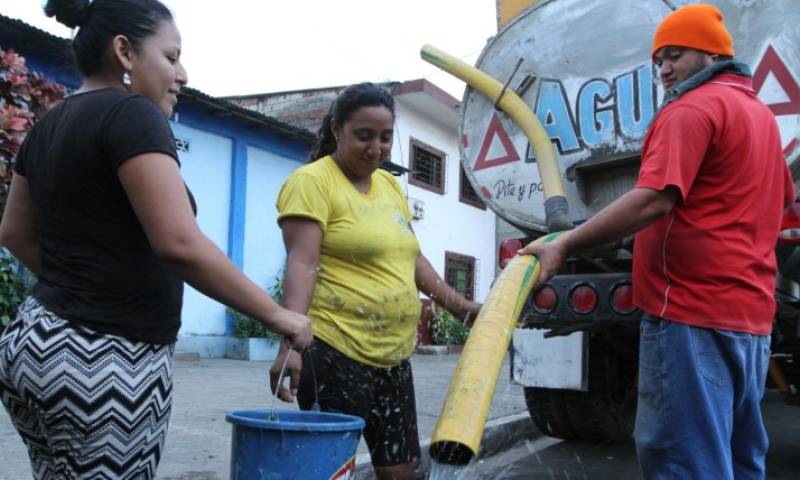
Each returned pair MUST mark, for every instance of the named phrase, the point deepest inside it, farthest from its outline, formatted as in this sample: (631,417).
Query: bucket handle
(315,407)
(272,416)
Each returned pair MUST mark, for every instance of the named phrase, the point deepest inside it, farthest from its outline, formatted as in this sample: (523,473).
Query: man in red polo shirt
(706,211)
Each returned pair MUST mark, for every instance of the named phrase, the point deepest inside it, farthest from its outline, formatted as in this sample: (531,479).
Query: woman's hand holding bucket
(296,328)
(297,336)
(294,366)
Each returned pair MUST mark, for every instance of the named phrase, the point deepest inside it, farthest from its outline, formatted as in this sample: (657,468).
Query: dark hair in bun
(351,99)
(69,12)
(101,20)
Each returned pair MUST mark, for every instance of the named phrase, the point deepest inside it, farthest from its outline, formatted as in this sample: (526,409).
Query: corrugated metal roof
(335,88)
(21,29)
(246,114)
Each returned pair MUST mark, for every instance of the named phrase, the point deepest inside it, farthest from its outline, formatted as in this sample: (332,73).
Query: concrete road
(547,458)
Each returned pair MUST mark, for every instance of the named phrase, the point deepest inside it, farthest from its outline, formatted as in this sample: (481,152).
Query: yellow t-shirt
(365,301)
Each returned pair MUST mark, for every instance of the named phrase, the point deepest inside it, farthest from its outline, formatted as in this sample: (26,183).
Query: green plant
(248,327)
(13,289)
(276,290)
(448,330)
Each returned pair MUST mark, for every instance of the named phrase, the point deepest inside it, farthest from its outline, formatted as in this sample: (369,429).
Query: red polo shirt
(711,261)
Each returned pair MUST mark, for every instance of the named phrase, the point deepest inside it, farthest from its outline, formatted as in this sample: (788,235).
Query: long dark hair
(351,99)
(101,20)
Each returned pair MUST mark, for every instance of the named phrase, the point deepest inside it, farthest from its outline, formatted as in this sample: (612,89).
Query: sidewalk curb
(500,434)
(439,349)
(431,350)
(185,356)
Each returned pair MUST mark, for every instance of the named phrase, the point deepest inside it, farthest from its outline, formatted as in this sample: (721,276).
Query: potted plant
(449,331)
(252,340)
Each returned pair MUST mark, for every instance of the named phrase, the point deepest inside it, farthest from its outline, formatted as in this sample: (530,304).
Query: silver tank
(586,72)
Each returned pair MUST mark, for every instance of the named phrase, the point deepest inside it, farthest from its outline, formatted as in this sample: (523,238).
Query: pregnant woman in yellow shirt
(355,267)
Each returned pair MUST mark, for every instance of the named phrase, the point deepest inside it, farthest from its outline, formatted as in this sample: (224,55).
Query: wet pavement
(198,443)
(551,459)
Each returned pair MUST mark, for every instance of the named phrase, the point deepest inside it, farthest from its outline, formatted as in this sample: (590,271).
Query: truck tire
(604,414)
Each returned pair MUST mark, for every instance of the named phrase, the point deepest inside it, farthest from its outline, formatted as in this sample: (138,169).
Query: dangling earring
(126,80)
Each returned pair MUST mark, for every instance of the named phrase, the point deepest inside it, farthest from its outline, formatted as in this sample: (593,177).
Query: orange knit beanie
(698,26)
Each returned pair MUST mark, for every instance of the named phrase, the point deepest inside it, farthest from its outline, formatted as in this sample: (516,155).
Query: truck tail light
(790,225)
(622,299)
(545,299)
(508,250)
(583,299)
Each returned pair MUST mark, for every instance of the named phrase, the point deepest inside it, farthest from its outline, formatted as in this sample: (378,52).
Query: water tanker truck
(584,68)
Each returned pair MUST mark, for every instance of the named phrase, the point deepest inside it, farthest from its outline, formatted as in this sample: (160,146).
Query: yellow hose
(457,436)
(557,217)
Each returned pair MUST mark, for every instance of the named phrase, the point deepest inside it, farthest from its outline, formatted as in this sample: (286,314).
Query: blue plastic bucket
(296,445)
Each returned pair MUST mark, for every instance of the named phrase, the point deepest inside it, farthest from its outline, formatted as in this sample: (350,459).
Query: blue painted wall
(254,242)
(206,169)
(264,254)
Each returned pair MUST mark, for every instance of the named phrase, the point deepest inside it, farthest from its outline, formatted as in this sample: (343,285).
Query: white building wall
(448,224)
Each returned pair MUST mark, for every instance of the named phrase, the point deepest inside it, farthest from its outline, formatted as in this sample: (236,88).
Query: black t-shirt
(97,266)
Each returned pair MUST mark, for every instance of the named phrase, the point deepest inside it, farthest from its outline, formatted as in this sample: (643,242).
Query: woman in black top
(99,212)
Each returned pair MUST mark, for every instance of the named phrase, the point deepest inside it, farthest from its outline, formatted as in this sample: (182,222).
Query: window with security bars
(427,165)
(467,194)
(459,273)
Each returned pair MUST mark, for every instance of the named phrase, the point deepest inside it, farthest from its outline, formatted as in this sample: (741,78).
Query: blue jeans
(699,413)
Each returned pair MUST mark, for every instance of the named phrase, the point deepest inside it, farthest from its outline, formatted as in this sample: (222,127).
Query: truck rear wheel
(604,414)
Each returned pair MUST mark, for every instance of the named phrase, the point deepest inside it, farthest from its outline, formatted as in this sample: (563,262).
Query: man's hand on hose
(551,258)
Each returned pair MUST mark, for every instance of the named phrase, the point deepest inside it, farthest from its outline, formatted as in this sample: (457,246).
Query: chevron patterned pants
(88,405)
